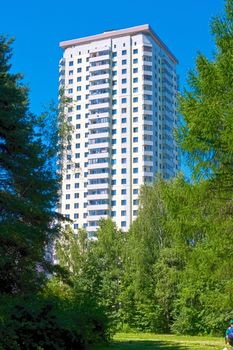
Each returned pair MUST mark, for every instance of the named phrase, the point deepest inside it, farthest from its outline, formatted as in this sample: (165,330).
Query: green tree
(145,240)
(206,135)
(28,187)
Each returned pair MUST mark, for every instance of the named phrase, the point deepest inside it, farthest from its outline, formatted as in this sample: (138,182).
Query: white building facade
(123,85)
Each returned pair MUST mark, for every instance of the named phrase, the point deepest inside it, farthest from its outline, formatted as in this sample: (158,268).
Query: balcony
(99,56)
(97,196)
(104,94)
(97,106)
(105,66)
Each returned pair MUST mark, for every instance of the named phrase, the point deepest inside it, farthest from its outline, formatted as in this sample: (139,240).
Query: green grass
(147,341)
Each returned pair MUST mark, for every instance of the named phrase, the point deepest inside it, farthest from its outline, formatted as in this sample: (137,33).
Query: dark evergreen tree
(28,186)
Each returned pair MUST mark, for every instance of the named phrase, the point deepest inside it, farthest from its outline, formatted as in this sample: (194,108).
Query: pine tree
(28,186)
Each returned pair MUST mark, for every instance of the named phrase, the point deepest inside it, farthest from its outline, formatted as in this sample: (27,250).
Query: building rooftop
(145,29)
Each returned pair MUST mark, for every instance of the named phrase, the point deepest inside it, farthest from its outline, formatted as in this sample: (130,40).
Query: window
(124,52)
(76,195)
(67,196)
(71,72)
(135,60)
(113,182)
(135,160)
(123,181)
(113,203)
(123,191)
(113,213)
(135,191)
(124,81)
(135,70)
(123,91)
(67,206)
(123,171)
(114,151)
(135,99)
(124,71)
(114,111)
(135,51)
(78,98)
(114,54)
(70,81)
(135,149)
(79,70)
(76,216)
(76,185)
(78,88)
(79,60)
(123,140)
(123,161)
(124,62)
(135,181)
(135,109)
(135,89)
(113,171)
(123,202)
(135,80)
(123,120)
(123,150)
(67,187)
(135,119)
(124,100)
(71,63)
(123,212)
(135,170)
(135,139)
(123,223)
(123,110)
(113,192)
(135,129)
(79,79)
(75,226)
(123,130)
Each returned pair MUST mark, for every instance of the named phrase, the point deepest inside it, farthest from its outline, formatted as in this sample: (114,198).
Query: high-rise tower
(124,86)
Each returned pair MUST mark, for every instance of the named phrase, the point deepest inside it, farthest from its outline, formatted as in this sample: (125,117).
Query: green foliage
(95,265)
(52,321)
(29,189)
(206,134)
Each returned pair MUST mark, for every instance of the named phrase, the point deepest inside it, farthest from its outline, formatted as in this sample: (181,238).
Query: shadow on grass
(141,345)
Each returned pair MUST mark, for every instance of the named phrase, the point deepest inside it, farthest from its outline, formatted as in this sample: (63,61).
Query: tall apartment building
(124,85)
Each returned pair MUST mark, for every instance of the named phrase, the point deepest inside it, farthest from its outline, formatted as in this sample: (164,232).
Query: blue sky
(38,26)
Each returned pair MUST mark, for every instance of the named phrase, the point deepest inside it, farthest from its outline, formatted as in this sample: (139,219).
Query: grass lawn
(147,341)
